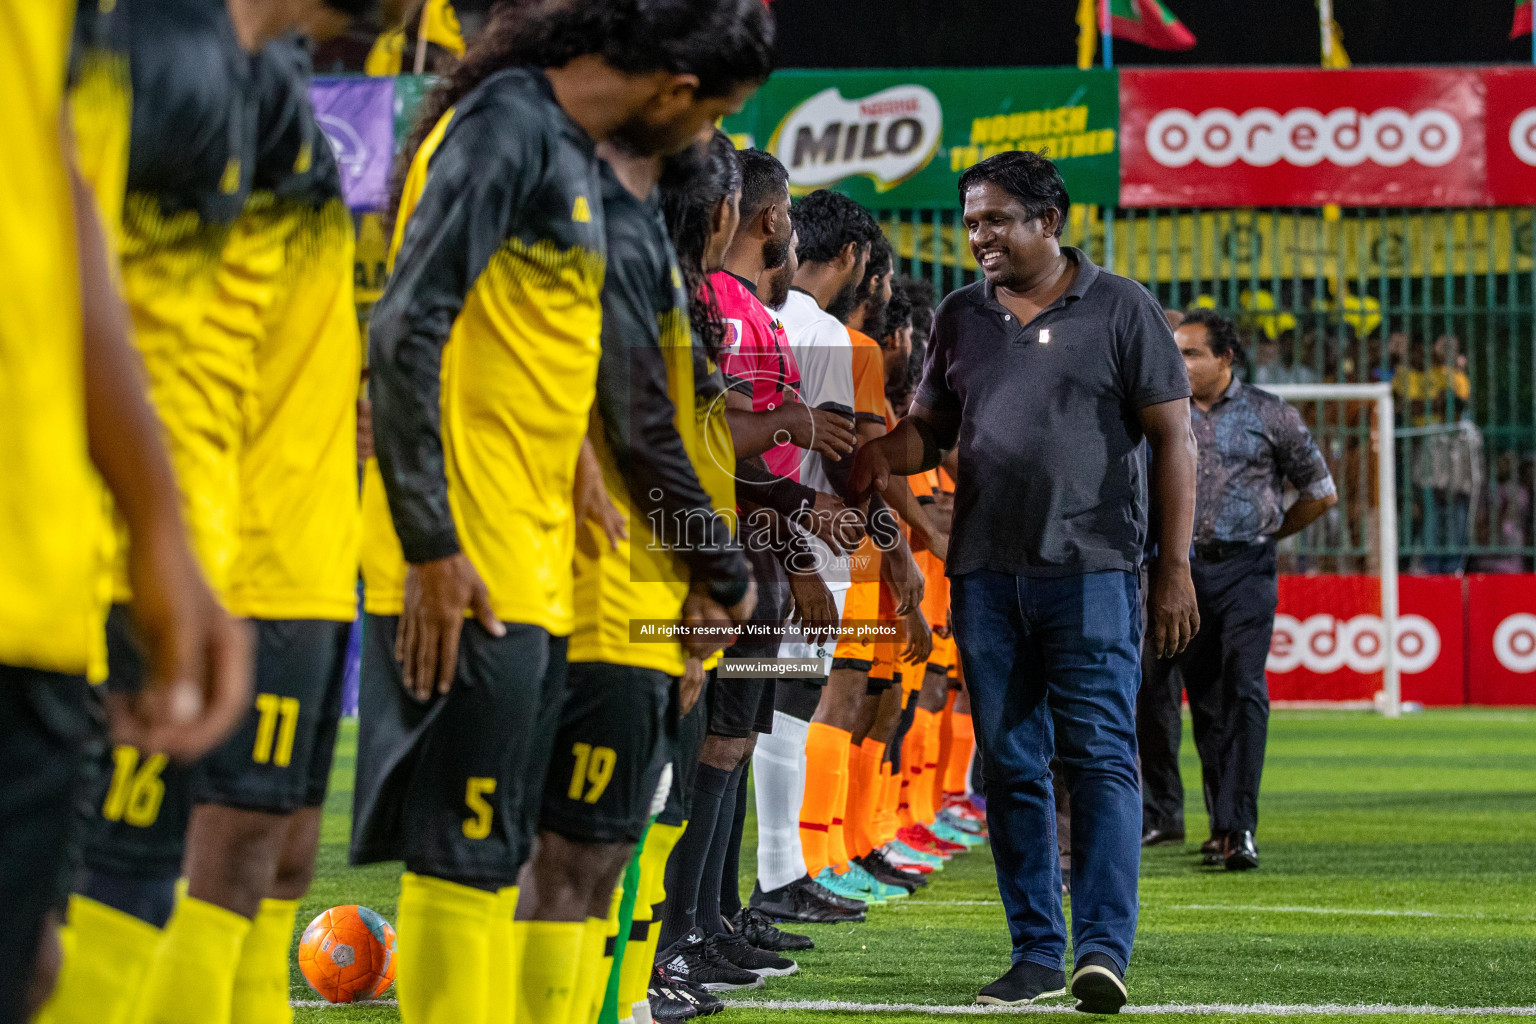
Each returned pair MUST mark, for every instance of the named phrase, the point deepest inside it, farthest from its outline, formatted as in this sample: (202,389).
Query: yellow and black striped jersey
(286,284)
(191,112)
(51,525)
(676,534)
(484,349)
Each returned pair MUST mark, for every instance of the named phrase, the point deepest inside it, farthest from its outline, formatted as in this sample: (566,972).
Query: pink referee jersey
(755,358)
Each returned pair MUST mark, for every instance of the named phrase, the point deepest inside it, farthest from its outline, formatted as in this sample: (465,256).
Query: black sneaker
(1098,984)
(884,871)
(1026,982)
(748,957)
(669,1002)
(708,1003)
(759,930)
(797,902)
(821,892)
(693,960)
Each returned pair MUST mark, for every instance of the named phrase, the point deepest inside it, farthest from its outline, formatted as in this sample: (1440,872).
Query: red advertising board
(1511,132)
(1239,137)
(1501,614)
(1327,643)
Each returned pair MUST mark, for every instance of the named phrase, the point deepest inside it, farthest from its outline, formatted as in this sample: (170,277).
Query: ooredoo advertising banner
(1510,98)
(1327,644)
(1238,137)
(1501,614)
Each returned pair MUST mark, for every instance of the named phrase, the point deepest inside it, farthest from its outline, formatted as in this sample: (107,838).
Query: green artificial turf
(1399,867)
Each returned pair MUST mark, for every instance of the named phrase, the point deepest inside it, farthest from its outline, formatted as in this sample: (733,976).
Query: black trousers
(1158,734)
(1223,670)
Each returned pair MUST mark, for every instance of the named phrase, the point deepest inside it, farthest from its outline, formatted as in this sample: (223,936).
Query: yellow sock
(639,958)
(547,984)
(192,975)
(106,955)
(261,977)
(501,979)
(444,949)
(607,938)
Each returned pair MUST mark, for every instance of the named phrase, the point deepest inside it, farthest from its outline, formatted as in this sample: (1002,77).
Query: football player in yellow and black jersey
(71,407)
(167,106)
(676,560)
(483,359)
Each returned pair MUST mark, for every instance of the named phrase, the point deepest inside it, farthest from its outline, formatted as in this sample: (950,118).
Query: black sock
(730,871)
(685,870)
(708,915)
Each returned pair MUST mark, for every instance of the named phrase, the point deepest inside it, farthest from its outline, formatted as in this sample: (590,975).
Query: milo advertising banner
(900,139)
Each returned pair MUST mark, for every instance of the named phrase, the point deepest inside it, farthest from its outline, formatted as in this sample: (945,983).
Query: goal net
(1327,642)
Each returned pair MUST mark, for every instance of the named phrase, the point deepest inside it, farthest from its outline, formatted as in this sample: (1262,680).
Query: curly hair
(723,42)
(827,221)
(692,191)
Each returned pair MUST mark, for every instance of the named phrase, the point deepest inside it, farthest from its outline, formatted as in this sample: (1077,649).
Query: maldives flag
(1522,25)
(1149,23)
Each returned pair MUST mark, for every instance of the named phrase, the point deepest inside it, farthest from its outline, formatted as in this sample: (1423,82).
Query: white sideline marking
(1339,911)
(1245,908)
(1200,1009)
(1193,1009)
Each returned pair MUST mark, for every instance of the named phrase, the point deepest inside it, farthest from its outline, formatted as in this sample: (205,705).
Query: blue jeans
(1053,666)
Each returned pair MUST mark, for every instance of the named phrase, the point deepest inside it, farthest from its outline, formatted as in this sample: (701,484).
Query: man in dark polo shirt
(1049,375)
(1252,445)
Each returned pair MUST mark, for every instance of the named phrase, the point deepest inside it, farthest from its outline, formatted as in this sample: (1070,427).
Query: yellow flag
(1087,32)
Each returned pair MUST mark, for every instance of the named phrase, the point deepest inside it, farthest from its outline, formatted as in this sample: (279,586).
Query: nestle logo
(888,107)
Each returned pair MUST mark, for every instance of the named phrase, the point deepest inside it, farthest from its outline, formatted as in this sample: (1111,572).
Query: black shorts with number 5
(452,785)
(616,736)
(279,760)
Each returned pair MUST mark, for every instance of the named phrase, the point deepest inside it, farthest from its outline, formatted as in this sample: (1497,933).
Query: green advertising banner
(900,139)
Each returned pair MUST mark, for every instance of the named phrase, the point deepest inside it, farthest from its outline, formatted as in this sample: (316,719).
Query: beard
(778,286)
(874,315)
(775,253)
(843,302)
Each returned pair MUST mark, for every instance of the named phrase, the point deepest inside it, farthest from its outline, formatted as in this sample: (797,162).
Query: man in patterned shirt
(1251,446)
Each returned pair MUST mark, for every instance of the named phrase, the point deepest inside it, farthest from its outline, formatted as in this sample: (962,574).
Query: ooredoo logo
(1323,644)
(1522,136)
(1304,137)
(888,136)
(1514,642)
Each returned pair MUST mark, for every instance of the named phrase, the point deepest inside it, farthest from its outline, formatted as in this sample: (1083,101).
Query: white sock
(642,1014)
(778,769)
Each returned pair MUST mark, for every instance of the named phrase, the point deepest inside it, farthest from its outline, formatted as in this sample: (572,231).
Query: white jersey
(824,353)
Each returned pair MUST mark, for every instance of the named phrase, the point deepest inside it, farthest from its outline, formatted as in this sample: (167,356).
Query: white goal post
(1386,486)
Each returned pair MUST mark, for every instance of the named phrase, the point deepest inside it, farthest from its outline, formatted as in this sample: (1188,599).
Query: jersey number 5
(594,769)
(136,791)
(475,793)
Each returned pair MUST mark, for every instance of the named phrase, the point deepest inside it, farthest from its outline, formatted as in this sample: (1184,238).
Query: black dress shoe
(1213,852)
(1162,837)
(1240,852)
(1025,982)
(1098,984)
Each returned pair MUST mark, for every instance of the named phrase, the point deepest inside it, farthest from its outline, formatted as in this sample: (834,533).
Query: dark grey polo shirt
(1052,469)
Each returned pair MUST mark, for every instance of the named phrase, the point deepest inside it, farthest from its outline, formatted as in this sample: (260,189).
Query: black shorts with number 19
(617,733)
(452,785)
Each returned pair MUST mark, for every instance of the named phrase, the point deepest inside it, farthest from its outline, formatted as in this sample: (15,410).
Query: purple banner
(358,117)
